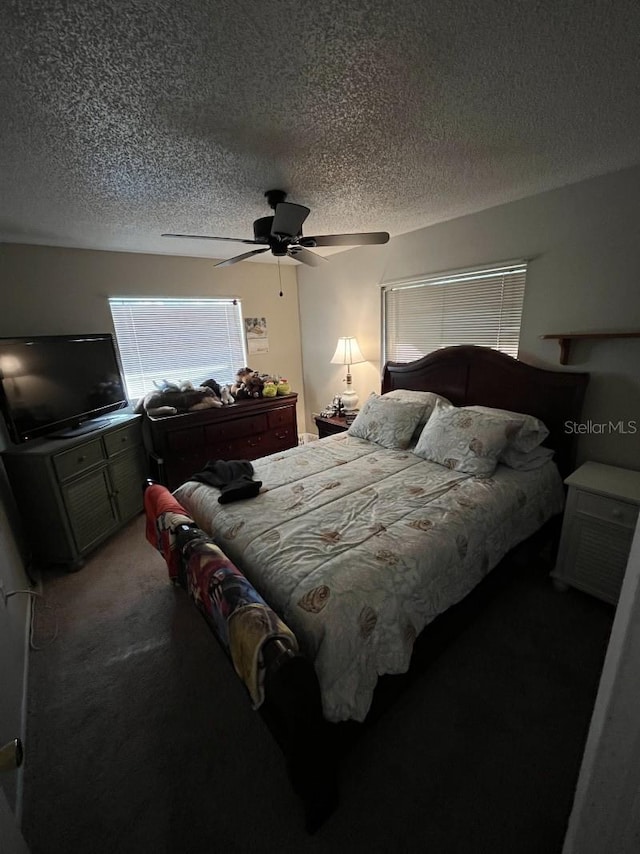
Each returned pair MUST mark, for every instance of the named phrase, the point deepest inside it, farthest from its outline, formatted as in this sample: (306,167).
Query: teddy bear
(249,383)
(237,387)
(225,395)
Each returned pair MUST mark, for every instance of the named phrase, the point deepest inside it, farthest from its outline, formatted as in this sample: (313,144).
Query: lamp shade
(347,352)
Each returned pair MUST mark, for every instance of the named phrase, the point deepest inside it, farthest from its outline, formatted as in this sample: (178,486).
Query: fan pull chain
(280,277)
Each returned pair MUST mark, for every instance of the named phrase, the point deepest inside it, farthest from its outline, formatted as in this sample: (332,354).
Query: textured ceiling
(122,119)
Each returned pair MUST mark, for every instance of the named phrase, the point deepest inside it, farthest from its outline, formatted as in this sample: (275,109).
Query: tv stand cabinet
(73,493)
(181,445)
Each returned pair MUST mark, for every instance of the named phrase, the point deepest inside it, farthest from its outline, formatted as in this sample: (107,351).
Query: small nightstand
(599,521)
(329,424)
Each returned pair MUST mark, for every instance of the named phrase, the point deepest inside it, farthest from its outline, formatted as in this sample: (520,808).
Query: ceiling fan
(282,234)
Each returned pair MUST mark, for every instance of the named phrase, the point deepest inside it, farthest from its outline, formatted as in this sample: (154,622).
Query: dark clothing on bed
(234,479)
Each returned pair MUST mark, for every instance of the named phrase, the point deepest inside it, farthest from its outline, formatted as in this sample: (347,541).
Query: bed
(358,545)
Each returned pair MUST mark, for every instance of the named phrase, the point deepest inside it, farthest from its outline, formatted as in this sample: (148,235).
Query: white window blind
(482,307)
(178,340)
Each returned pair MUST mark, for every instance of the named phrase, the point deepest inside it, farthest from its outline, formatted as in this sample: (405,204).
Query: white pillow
(525,461)
(464,439)
(532,433)
(428,398)
(387,421)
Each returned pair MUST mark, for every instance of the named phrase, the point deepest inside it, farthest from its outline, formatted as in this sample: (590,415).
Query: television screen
(52,382)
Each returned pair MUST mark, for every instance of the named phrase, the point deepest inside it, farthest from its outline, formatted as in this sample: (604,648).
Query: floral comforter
(358,548)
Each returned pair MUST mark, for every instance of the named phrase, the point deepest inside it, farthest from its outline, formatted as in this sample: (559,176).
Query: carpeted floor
(140,737)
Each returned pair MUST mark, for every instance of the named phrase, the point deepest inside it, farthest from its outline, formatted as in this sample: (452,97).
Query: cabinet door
(90,508)
(127,472)
(598,553)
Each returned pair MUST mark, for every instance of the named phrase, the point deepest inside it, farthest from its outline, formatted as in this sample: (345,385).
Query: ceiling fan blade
(209,237)
(242,257)
(288,219)
(368,238)
(302,254)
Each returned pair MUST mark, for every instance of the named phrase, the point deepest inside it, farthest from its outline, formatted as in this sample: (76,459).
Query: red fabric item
(163,514)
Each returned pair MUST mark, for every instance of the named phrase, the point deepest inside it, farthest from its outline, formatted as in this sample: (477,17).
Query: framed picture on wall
(257,337)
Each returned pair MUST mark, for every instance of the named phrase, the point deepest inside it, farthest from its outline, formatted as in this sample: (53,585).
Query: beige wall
(48,290)
(584,251)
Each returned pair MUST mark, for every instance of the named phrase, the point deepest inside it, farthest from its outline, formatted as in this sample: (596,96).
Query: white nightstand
(599,521)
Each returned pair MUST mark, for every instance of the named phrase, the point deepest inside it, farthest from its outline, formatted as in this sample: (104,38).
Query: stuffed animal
(254,385)
(172,400)
(225,395)
(212,384)
(250,383)
(237,387)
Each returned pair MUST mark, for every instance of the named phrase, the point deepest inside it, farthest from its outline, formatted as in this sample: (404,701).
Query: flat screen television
(58,384)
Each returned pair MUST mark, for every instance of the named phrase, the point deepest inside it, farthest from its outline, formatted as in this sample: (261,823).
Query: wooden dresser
(180,445)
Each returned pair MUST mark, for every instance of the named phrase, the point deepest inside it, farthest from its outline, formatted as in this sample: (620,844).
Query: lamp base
(349,399)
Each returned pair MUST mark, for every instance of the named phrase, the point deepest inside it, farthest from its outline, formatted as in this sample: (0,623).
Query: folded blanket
(250,627)
(239,616)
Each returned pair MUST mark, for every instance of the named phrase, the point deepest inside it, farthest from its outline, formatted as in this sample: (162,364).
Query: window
(482,307)
(178,340)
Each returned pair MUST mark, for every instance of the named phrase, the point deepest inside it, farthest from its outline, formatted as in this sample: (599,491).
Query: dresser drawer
(120,440)
(279,439)
(608,509)
(230,430)
(246,448)
(78,459)
(186,440)
(285,416)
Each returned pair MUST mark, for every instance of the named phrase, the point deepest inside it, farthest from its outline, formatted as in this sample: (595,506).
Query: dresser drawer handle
(282,435)
(82,459)
(617,514)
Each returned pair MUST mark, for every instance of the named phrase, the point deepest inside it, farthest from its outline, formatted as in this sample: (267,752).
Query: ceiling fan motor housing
(262,234)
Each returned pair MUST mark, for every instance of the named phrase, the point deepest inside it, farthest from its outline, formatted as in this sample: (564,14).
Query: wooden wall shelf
(565,339)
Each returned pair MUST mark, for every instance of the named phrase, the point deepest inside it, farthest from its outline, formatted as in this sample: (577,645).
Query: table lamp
(348,353)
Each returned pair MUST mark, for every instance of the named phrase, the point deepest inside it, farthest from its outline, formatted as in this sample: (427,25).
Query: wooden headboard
(479,376)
